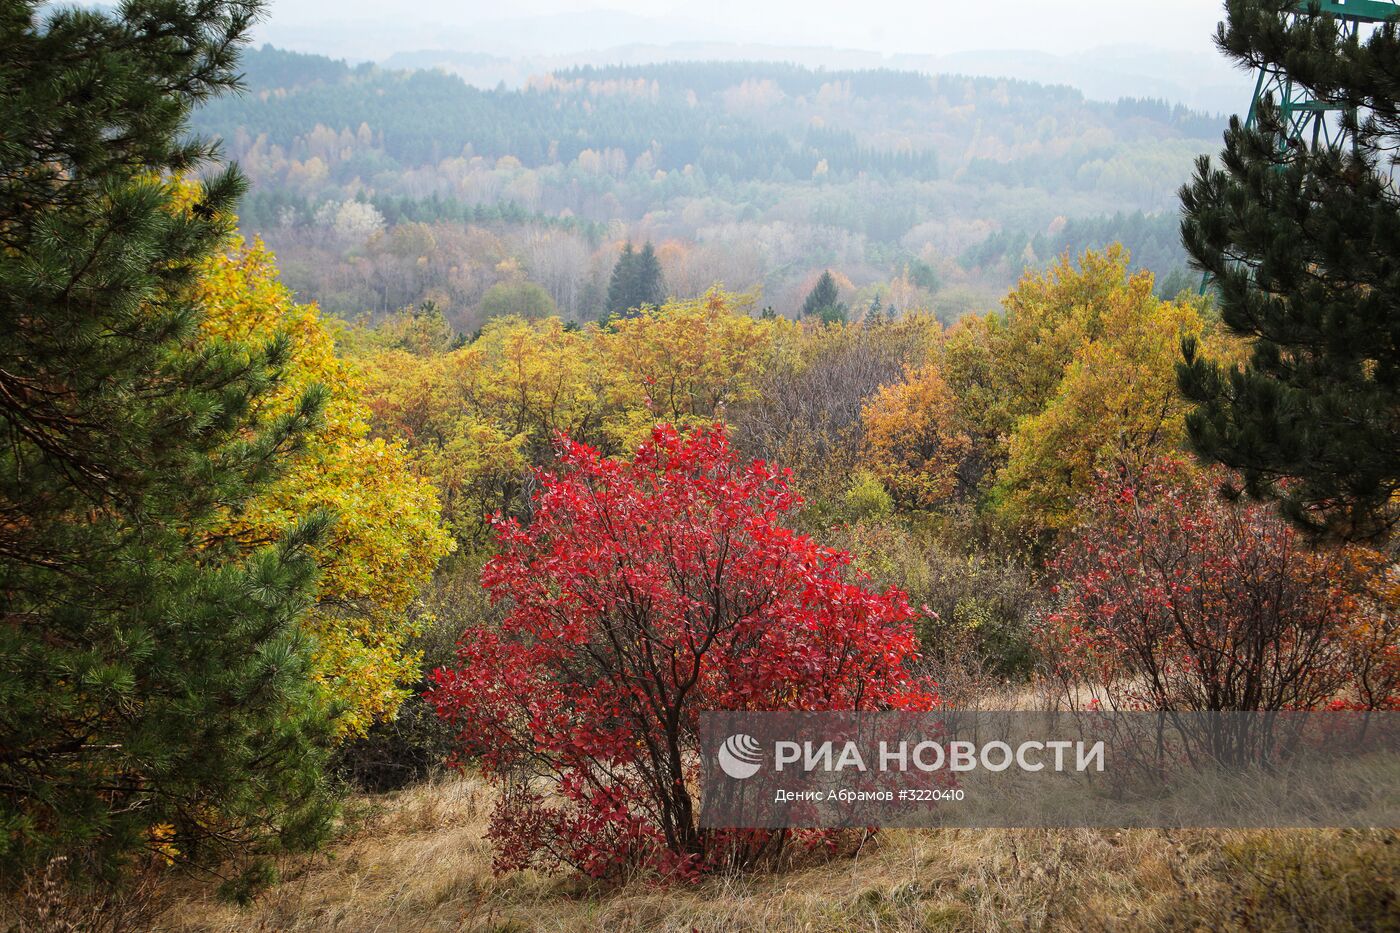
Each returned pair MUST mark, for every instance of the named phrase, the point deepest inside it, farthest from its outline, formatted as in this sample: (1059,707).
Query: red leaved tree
(1171,598)
(639,594)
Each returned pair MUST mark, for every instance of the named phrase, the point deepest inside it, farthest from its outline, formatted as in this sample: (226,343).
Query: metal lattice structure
(1312,122)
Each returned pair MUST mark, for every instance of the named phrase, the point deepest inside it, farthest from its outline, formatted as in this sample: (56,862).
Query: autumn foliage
(1173,598)
(913,442)
(642,592)
(387,535)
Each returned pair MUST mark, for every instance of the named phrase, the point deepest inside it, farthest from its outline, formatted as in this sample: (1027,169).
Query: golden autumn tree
(477,418)
(967,360)
(685,363)
(387,536)
(912,440)
(434,405)
(1051,315)
(1006,366)
(540,378)
(1086,360)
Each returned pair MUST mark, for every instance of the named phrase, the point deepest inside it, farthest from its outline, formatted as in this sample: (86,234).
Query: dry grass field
(417,861)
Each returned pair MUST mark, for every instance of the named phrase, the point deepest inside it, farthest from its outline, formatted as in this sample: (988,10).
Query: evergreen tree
(876,312)
(1303,246)
(824,300)
(650,290)
(636,281)
(153,675)
(623,284)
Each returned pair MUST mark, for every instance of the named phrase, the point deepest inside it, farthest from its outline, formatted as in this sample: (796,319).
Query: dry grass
(417,861)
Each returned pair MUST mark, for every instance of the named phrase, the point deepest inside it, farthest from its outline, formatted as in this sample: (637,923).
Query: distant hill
(742,120)
(512,48)
(758,171)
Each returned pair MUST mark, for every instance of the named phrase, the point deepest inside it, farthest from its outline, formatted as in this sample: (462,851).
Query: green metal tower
(1308,121)
(1311,122)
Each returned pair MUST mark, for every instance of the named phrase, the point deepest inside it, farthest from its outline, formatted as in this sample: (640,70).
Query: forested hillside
(929,192)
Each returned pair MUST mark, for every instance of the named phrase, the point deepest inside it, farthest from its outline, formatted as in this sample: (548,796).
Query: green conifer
(650,289)
(153,675)
(636,281)
(623,284)
(1302,243)
(824,301)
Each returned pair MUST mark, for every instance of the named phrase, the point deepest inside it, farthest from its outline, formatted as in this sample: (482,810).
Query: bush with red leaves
(1173,598)
(639,594)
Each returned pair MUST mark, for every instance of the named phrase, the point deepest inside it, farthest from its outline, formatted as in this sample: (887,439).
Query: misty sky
(891,26)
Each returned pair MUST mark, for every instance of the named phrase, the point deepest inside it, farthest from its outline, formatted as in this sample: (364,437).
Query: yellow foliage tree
(684,363)
(1051,315)
(912,440)
(438,405)
(540,378)
(387,537)
(1092,377)
(479,417)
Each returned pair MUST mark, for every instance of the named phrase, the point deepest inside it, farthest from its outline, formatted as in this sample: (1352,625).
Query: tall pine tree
(153,676)
(1303,245)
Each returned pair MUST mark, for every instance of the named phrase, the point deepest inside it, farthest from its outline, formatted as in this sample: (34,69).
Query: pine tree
(824,300)
(153,676)
(1303,246)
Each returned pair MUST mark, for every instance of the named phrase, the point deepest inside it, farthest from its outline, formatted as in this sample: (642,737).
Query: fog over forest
(1151,48)
(384,187)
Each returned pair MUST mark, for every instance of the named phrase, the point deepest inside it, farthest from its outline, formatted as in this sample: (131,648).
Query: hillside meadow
(418,860)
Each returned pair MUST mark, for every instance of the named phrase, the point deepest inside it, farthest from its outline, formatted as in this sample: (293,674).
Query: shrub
(640,594)
(974,610)
(1172,597)
(866,498)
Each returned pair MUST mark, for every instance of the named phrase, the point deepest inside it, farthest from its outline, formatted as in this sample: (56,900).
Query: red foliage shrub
(1171,597)
(640,594)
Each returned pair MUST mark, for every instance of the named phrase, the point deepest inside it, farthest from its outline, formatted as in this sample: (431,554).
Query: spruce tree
(650,290)
(824,300)
(153,675)
(1303,246)
(623,284)
(636,281)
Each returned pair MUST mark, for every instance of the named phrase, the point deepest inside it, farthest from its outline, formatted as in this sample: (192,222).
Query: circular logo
(740,756)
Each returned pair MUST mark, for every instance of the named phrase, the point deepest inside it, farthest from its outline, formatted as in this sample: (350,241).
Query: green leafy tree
(153,674)
(521,298)
(1303,245)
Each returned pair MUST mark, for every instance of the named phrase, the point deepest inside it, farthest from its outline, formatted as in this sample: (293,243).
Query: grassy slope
(417,861)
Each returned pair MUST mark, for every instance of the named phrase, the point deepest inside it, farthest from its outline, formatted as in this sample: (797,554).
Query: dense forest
(381,189)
